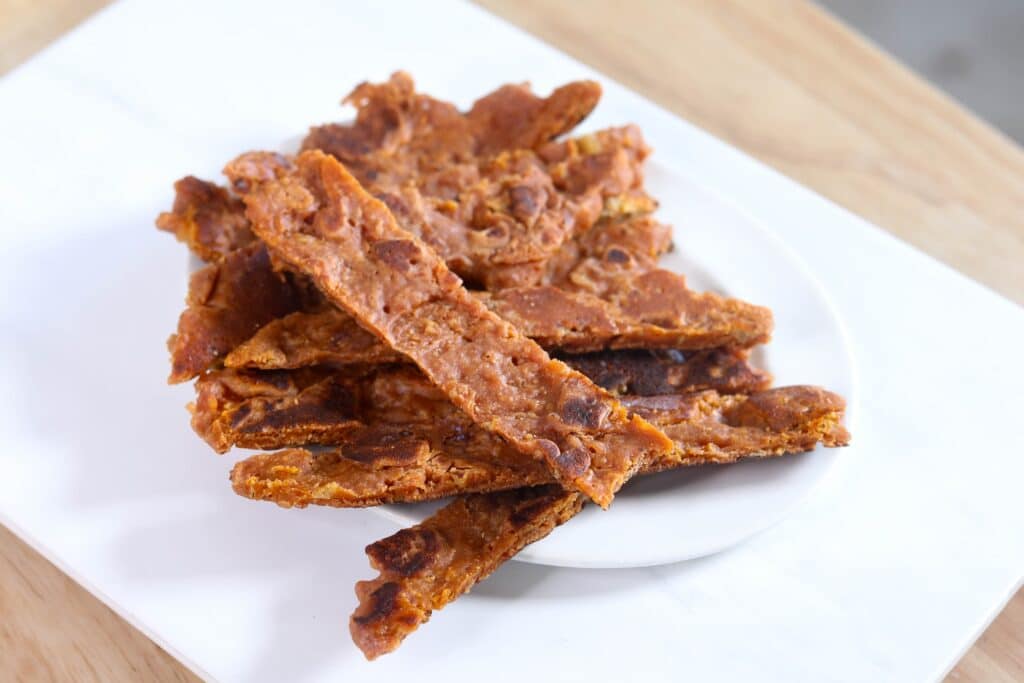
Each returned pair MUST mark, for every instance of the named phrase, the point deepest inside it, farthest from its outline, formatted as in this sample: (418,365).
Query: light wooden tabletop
(781,80)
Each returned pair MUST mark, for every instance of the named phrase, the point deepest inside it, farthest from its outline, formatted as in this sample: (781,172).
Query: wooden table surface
(781,80)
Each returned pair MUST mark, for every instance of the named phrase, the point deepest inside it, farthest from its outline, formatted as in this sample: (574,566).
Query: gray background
(971,49)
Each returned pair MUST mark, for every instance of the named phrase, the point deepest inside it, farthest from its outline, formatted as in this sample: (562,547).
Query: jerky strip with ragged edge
(227,303)
(390,462)
(208,218)
(470,185)
(401,135)
(317,218)
(261,409)
(427,566)
(512,117)
(572,321)
(556,319)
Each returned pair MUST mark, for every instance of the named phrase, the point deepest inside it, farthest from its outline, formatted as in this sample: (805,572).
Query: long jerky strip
(572,321)
(227,303)
(653,314)
(556,319)
(275,409)
(402,463)
(427,566)
(212,222)
(316,217)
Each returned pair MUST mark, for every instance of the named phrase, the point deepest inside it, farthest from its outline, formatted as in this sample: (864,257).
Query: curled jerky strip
(317,218)
(276,409)
(447,456)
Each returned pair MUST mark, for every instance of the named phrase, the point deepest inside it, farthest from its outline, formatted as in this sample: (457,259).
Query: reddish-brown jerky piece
(207,218)
(317,218)
(400,135)
(268,409)
(454,457)
(427,566)
(556,319)
(277,409)
(227,303)
(512,117)
(651,373)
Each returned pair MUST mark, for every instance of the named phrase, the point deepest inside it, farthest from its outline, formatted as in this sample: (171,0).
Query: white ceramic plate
(697,511)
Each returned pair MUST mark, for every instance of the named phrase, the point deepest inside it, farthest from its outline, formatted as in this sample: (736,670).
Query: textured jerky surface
(507,225)
(555,318)
(400,135)
(257,409)
(227,303)
(485,189)
(207,218)
(317,218)
(567,317)
(650,373)
(265,409)
(446,455)
(501,229)
(425,567)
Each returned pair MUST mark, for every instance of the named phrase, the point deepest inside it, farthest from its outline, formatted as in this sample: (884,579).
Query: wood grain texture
(789,85)
(54,630)
(779,79)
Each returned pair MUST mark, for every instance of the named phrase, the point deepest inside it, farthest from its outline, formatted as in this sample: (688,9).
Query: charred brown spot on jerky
(296,416)
(380,448)
(405,553)
(532,509)
(575,461)
(240,415)
(379,605)
(399,254)
(585,412)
